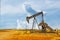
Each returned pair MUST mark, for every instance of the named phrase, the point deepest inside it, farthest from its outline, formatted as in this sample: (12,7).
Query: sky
(13,13)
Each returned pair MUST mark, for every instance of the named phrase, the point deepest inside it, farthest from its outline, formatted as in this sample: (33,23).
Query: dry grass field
(22,35)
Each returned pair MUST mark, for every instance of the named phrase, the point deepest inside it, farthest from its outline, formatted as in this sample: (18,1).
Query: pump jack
(42,24)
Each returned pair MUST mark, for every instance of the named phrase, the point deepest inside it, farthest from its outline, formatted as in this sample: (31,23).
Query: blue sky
(13,10)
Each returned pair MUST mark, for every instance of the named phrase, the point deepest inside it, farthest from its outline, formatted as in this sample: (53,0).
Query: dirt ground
(22,35)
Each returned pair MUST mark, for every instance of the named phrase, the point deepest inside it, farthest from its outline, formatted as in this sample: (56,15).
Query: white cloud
(11,9)
(19,26)
(52,4)
(19,8)
(24,25)
(37,6)
(47,4)
(57,26)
